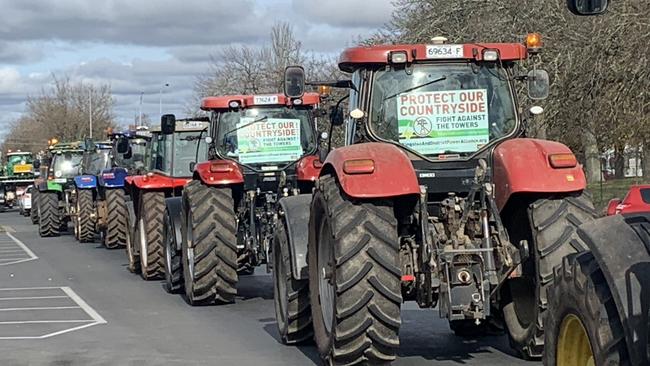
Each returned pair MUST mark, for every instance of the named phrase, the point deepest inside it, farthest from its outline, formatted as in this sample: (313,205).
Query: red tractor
(262,157)
(173,151)
(437,197)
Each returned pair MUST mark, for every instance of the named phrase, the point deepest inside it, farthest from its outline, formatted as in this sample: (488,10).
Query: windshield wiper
(416,87)
(246,125)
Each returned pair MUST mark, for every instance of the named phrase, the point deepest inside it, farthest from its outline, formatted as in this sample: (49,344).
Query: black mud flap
(621,246)
(296,214)
(175,208)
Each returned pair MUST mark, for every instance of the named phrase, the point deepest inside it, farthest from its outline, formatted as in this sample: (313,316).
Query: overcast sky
(139,45)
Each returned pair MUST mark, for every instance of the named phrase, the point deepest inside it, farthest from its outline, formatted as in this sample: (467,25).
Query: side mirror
(294,81)
(336,116)
(168,124)
(591,7)
(192,165)
(122,145)
(128,154)
(538,84)
(36,164)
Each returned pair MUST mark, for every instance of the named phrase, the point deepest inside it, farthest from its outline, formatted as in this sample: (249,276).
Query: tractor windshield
(66,164)
(135,157)
(442,108)
(96,161)
(266,135)
(184,150)
(20,159)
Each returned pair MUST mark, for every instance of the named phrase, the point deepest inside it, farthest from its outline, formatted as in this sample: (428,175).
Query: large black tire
(150,235)
(85,226)
(209,246)
(173,266)
(290,296)
(114,235)
(354,277)
(49,223)
(552,236)
(582,318)
(33,213)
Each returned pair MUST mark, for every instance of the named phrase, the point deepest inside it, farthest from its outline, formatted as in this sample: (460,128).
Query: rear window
(645,195)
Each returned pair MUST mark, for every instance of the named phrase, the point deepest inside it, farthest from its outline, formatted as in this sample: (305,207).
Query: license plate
(265,99)
(445,51)
(60,180)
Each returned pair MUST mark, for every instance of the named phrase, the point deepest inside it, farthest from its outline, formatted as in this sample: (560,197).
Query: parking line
(33,298)
(95,317)
(22,245)
(16,248)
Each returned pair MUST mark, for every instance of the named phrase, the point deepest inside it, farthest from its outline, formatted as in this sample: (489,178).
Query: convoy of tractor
(436,197)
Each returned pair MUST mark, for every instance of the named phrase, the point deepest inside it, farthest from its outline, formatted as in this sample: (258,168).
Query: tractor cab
(129,149)
(270,138)
(445,105)
(19,163)
(65,164)
(175,154)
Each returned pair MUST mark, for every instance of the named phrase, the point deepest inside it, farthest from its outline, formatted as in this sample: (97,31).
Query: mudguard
(218,172)
(522,166)
(156,181)
(112,178)
(85,181)
(308,168)
(621,246)
(175,208)
(296,213)
(393,173)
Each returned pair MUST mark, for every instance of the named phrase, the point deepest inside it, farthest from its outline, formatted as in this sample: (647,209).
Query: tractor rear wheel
(173,266)
(150,235)
(85,221)
(209,246)
(583,325)
(354,277)
(33,212)
(551,237)
(290,296)
(49,223)
(114,235)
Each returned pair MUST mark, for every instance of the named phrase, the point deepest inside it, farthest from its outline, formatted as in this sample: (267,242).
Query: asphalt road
(63,303)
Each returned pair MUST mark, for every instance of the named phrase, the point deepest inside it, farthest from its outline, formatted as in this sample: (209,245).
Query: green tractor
(56,191)
(17,173)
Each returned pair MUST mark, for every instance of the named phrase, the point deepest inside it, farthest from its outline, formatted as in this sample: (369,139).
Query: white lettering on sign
(265,99)
(445,51)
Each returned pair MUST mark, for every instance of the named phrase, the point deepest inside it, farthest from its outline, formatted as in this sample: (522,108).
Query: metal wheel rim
(325,276)
(143,243)
(573,346)
(190,246)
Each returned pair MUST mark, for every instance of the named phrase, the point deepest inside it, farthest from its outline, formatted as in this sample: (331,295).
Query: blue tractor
(101,199)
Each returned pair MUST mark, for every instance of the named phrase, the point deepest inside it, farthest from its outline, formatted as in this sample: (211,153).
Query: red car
(637,199)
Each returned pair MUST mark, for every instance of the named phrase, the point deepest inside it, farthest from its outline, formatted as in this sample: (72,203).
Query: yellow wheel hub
(573,346)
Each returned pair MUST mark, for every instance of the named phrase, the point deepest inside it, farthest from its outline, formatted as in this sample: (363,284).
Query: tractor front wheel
(209,245)
(150,235)
(85,221)
(354,277)
(49,223)
(583,325)
(290,296)
(550,229)
(115,233)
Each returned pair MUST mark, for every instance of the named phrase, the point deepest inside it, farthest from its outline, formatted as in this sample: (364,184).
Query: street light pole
(140,111)
(90,111)
(160,96)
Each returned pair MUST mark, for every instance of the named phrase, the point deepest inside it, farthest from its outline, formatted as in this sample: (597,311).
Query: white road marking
(33,298)
(95,318)
(16,248)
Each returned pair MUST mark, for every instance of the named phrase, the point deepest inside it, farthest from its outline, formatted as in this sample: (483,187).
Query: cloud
(345,13)
(153,23)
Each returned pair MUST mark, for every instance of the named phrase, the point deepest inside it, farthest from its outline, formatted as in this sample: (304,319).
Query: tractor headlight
(58,174)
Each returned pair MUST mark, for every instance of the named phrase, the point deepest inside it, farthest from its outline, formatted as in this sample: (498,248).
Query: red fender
(522,166)
(218,172)
(308,168)
(393,173)
(156,181)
